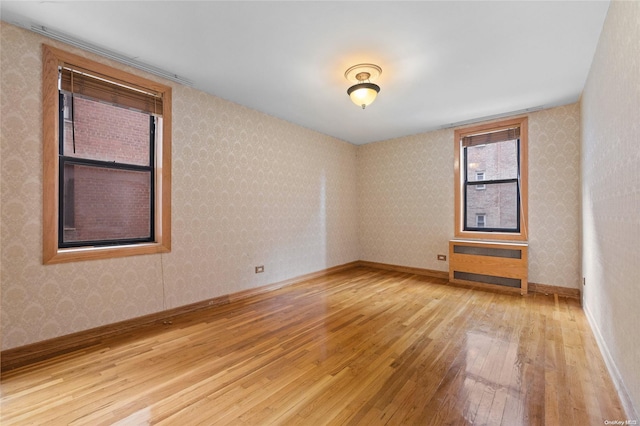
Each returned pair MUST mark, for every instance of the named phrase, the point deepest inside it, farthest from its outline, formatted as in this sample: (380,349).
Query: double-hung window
(480,176)
(106,161)
(481,219)
(491,180)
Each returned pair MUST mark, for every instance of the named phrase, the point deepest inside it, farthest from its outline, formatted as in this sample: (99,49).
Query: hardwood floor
(357,347)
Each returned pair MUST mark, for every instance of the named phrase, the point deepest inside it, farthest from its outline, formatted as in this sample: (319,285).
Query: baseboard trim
(245,294)
(407,269)
(39,351)
(618,382)
(441,275)
(572,293)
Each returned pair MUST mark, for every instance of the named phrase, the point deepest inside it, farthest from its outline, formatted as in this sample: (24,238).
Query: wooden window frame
(459,231)
(51,253)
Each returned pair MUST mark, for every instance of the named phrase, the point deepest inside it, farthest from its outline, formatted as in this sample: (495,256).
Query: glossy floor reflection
(357,347)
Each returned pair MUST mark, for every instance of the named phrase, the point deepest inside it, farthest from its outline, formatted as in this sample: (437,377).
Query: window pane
(69,192)
(105,132)
(497,205)
(495,161)
(106,204)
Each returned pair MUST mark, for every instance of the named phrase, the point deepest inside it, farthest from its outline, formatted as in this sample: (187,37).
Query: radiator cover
(489,264)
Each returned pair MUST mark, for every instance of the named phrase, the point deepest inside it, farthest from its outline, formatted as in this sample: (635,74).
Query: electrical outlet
(259,269)
(442,257)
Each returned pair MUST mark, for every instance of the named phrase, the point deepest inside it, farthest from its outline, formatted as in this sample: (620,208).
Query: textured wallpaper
(405,199)
(611,196)
(405,190)
(248,189)
(554,196)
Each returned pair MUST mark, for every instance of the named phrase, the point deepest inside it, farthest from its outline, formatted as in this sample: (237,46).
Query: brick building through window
(496,203)
(101,203)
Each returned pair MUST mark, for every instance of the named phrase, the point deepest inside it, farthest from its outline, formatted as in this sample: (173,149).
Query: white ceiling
(442,62)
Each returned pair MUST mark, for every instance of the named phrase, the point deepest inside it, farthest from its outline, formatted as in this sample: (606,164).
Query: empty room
(320,212)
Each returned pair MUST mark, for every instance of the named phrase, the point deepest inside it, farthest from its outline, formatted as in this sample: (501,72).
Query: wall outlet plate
(259,269)
(442,257)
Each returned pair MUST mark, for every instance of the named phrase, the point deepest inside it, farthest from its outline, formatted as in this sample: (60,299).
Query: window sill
(95,253)
(488,236)
(488,241)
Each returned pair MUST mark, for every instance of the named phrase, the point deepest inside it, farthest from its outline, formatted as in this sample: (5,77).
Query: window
(480,220)
(480,176)
(106,165)
(107,161)
(491,180)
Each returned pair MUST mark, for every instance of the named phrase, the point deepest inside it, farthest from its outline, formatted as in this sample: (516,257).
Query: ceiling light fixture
(364,92)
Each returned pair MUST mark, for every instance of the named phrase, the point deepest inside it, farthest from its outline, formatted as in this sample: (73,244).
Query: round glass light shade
(363,94)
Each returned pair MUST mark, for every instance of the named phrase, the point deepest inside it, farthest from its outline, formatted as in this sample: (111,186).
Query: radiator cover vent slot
(488,251)
(487,279)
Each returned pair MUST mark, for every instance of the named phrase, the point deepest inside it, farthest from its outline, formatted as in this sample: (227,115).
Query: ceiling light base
(372,70)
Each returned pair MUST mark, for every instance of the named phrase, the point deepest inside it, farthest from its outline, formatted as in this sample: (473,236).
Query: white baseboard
(627,403)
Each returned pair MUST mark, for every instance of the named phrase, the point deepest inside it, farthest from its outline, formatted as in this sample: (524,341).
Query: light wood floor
(357,347)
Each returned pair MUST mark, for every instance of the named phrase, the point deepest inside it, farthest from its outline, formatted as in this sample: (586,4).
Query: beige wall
(611,198)
(554,196)
(248,189)
(405,190)
(405,199)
